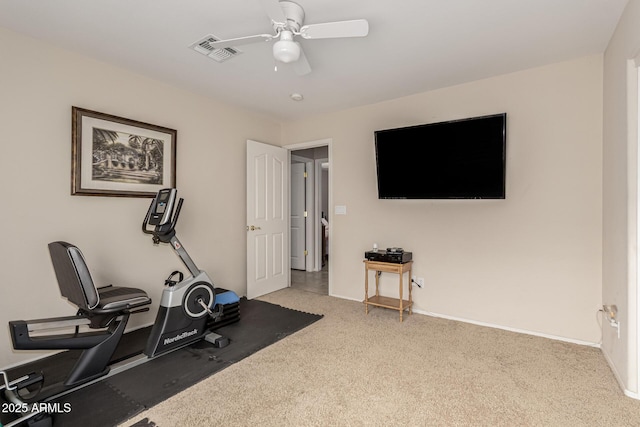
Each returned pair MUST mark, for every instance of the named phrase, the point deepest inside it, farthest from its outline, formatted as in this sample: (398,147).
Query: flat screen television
(458,159)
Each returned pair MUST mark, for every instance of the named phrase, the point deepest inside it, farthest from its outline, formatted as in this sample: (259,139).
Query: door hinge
(305,214)
(306,252)
(305,174)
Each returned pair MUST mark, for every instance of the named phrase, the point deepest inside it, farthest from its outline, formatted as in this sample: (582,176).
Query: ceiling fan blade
(301,67)
(274,10)
(221,44)
(329,30)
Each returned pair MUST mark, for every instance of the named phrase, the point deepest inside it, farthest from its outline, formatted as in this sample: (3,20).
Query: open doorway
(309,224)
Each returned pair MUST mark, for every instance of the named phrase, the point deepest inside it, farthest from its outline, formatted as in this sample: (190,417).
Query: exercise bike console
(162,207)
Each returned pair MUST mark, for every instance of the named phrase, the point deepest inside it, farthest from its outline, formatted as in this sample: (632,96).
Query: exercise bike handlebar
(163,214)
(146,218)
(164,222)
(174,220)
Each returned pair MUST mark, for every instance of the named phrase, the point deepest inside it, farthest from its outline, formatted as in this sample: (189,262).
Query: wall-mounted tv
(459,159)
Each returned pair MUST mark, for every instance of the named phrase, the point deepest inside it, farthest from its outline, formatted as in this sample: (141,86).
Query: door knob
(252,228)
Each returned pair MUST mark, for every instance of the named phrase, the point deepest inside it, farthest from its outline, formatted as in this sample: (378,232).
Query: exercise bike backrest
(162,215)
(73,276)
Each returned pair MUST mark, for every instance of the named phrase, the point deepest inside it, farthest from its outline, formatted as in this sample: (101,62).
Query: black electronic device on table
(394,255)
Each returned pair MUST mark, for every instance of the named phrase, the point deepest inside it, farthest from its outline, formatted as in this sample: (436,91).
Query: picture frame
(119,157)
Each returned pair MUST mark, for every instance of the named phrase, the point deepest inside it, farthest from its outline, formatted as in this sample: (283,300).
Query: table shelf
(388,302)
(384,301)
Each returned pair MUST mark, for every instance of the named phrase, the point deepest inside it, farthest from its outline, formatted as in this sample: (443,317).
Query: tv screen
(460,159)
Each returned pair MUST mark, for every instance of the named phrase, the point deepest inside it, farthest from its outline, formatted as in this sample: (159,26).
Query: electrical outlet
(611,311)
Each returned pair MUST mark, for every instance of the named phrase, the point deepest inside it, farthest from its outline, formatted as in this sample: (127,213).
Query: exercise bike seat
(77,286)
(107,309)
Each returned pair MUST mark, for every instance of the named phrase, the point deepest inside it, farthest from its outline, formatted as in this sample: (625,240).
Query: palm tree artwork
(126,158)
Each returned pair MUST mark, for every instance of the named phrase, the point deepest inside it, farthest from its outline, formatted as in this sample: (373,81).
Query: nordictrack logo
(180,337)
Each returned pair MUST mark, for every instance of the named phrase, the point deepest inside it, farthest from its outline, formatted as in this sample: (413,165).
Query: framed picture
(114,156)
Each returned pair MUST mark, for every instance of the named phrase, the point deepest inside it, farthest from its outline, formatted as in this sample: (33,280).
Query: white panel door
(267,211)
(298,218)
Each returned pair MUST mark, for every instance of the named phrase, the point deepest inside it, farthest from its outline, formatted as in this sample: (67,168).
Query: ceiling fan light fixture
(286,50)
(287,21)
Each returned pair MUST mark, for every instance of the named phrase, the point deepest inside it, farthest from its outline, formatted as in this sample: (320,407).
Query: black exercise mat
(120,397)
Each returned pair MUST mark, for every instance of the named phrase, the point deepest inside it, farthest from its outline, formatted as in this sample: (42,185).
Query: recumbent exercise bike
(186,306)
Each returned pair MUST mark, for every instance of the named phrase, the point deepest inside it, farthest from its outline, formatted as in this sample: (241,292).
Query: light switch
(340,210)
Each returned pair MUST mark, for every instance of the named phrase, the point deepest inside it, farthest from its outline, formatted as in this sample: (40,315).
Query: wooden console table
(386,302)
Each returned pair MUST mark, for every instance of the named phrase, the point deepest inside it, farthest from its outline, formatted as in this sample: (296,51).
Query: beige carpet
(349,369)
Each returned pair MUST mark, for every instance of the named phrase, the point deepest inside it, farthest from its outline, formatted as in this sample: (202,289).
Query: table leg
(401,307)
(366,289)
(410,295)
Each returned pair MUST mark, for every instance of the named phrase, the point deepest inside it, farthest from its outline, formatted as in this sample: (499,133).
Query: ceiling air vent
(204,47)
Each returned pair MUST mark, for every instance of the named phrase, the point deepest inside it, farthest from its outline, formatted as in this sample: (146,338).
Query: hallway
(316,282)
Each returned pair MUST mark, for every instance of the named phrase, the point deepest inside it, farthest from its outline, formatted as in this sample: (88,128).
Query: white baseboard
(45,353)
(616,374)
(510,329)
(347,298)
(41,355)
(491,325)
(627,392)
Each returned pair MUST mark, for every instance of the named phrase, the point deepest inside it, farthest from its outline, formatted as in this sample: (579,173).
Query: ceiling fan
(287,19)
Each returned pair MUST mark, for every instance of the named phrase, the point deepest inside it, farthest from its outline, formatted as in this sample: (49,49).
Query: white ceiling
(413,45)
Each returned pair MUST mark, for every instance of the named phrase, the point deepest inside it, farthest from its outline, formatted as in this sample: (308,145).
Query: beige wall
(38,86)
(531,262)
(620,197)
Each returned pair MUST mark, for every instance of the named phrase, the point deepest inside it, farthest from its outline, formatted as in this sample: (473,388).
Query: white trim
(310,263)
(312,144)
(48,353)
(636,60)
(494,326)
(618,378)
(632,375)
(508,328)
(25,361)
(633,341)
(348,298)
(318,211)
(310,232)
(636,285)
